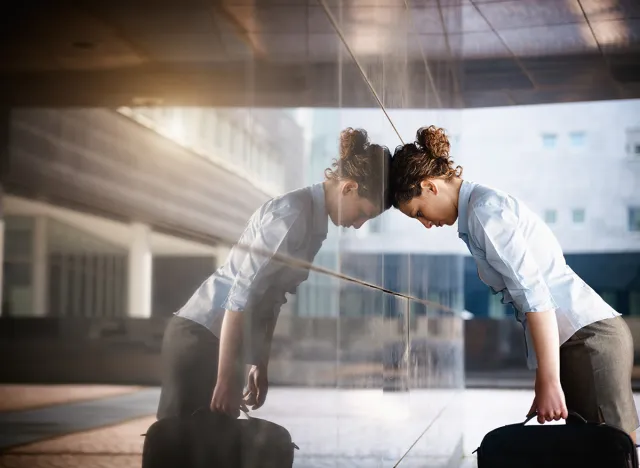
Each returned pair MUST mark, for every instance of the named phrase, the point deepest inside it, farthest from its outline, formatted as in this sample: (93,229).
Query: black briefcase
(213,440)
(557,446)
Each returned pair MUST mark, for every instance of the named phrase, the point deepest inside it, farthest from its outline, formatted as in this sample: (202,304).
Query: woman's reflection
(233,313)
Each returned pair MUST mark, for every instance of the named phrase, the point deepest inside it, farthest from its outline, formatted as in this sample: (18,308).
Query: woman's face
(432,207)
(352,209)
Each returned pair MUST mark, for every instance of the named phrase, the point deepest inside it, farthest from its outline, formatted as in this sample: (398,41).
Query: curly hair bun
(353,142)
(434,141)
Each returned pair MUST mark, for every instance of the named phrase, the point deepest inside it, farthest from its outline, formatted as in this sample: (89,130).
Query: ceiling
(280,53)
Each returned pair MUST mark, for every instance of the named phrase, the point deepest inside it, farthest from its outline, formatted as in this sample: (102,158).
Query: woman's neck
(329,187)
(453,186)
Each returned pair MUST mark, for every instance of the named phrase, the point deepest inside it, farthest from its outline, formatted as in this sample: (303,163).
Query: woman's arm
(544,331)
(226,396)
(277,233)
(549,400)
(496,229)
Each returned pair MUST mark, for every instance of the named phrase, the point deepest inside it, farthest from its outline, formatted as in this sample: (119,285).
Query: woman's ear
(349,186)
(429,186)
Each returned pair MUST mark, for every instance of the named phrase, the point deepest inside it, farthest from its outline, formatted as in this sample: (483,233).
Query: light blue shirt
(251,280)
(517,255)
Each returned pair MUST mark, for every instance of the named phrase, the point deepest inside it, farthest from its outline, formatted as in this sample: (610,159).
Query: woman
(581,348)
(233,313)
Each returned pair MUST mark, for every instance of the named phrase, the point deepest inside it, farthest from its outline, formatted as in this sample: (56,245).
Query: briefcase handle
(571,413)
(203,409)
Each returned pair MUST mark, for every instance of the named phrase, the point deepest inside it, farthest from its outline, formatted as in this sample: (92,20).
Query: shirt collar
(463,206)
(321,217)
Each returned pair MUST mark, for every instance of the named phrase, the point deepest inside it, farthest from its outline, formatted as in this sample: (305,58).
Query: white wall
(503,148)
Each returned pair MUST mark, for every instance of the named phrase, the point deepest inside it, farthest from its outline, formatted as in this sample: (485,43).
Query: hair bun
(352,142)
(434,141)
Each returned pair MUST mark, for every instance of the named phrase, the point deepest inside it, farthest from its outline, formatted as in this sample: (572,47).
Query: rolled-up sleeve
(495,229)
(256,269)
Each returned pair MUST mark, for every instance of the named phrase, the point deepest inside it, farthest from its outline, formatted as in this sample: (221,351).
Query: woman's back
(518,254)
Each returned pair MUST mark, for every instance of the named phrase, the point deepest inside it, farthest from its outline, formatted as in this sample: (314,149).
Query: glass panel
(18,238)
(549,140)
(550,216)
(578,139)
(17,289)
(634,303)
(611,298)
(497,309)
(79,278)
(634,219)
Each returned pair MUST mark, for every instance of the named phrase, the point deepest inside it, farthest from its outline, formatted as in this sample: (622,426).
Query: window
(497,309)
(549,140)
(633,142)
(634,218)
(18,265)
(578,215)
(208,127)
(550,216)
(222,137)
(634,303)
(611,298)
(375,225)
(578,139)
(238,145)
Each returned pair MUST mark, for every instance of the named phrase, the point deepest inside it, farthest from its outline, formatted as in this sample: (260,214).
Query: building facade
(576,165)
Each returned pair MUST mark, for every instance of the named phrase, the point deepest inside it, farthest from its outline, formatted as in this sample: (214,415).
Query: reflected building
(74,177)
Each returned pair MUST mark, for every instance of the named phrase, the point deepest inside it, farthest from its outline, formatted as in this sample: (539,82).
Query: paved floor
(22,427)
(22,397)
(354,428)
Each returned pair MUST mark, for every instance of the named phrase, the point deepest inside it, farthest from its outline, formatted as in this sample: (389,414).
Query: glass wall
(218,118)
(374,336)
(366,362)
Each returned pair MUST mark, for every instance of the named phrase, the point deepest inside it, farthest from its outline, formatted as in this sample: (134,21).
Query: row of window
(238,143)
(576,139)
(579,140)
(578,216)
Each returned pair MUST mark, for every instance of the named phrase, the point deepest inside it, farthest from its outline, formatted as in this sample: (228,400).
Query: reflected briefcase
(212,440)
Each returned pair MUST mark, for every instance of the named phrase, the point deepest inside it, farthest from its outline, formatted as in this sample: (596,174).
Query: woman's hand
(549,401)
(227,398)
(257,387)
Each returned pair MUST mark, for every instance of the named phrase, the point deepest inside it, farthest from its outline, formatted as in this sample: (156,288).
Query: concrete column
(40,268)
(140,272)
(5,122)
(1,256)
